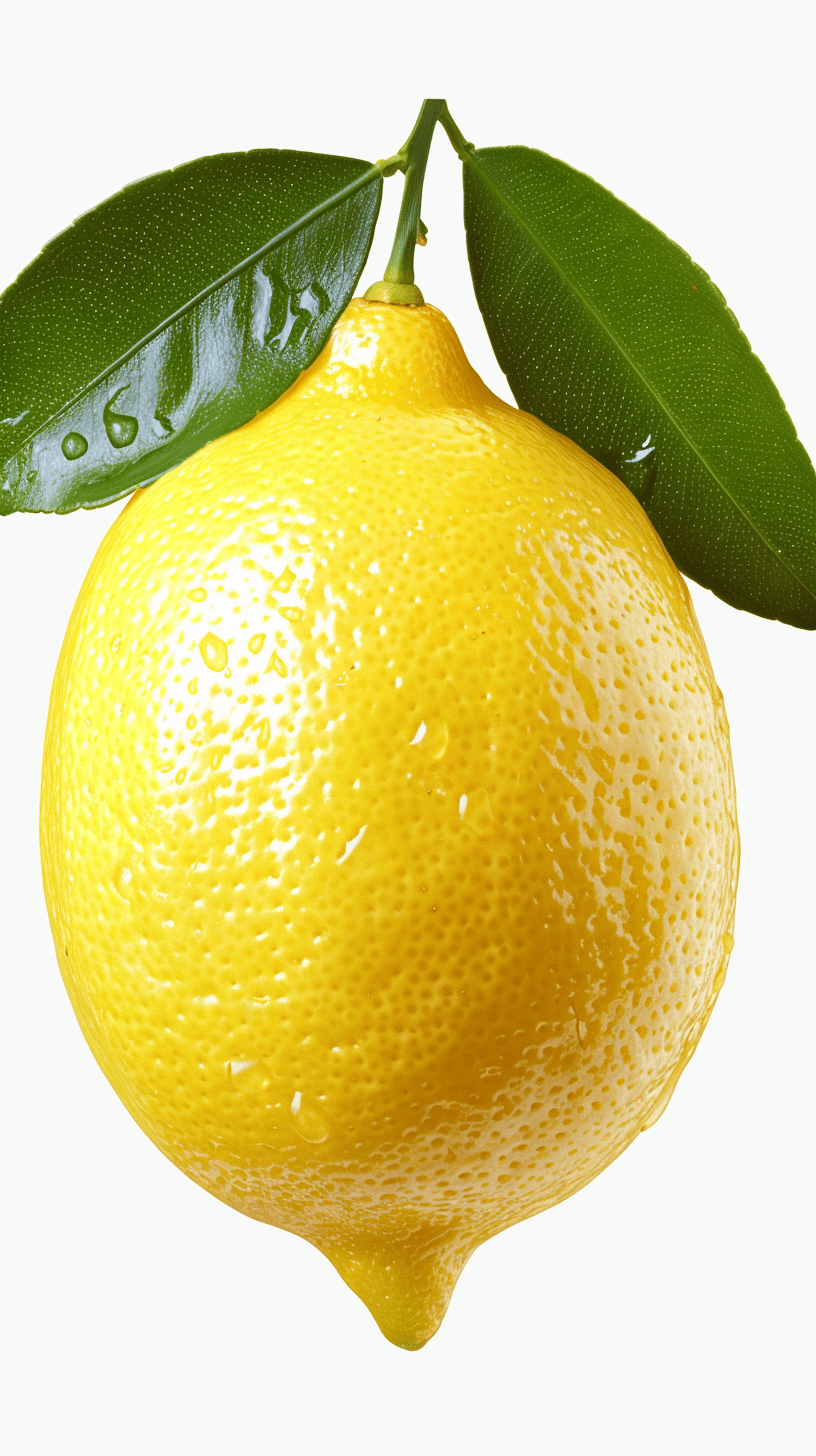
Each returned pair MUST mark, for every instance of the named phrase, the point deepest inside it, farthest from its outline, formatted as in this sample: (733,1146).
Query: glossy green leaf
(171,314)
(611,334)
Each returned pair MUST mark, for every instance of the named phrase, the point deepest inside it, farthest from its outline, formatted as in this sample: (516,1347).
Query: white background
(667,1307)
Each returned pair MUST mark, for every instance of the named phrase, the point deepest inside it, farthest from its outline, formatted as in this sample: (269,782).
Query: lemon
(388,821)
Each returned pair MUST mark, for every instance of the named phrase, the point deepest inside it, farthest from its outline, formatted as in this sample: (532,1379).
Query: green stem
(401,263)
(457,141)
(397,285)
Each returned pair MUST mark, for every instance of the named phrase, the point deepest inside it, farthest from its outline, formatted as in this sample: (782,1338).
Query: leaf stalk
(455,137)
(397,284)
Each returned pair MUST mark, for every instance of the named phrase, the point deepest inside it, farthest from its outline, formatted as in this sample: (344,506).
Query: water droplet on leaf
(121,430)
(74,445)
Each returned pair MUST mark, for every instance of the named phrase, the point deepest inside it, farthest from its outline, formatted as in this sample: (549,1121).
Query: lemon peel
(392,918)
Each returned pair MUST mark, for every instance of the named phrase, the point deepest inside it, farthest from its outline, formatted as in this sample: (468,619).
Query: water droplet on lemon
(284,582)
(214,652)
(308,1121)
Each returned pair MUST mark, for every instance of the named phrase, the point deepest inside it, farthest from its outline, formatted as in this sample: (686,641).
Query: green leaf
(613,336)
(171,314)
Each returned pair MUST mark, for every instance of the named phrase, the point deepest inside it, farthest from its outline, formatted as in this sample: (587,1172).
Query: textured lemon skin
(388,823)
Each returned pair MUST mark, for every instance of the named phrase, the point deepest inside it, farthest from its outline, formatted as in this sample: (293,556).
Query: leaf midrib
(469,159)
(334,200)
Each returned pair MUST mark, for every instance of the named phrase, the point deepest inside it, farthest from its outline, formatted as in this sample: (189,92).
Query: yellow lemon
(388,819)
